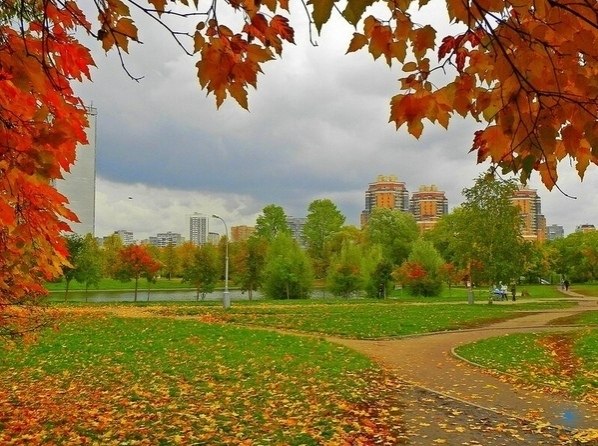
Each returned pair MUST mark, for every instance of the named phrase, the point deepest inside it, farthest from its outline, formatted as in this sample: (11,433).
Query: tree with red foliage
(136,261)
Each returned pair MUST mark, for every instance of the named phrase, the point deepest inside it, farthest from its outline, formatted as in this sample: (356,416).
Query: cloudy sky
(317,128)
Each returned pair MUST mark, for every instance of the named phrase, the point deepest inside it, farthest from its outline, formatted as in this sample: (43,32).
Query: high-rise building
(163,239)
(241,232)
(125,236)
(296,225)
(554,232)
(79,185)
(530,209)
(386,192)
(427,205)
(198,229)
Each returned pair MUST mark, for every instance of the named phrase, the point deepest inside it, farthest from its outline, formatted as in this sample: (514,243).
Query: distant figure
(503,292)
(513,292)
(566,283)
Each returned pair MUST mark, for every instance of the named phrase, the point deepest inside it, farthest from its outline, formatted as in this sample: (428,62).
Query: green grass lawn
(585,289)
(360,318)
(565,361)
(109,380)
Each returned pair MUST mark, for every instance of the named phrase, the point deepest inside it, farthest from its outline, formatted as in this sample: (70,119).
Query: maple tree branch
(154,14)
(582,17)
(311,24)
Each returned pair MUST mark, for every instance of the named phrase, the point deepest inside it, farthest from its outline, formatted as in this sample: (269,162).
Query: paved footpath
(428,362)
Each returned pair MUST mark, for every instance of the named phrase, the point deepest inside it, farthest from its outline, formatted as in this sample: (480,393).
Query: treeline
(480,242)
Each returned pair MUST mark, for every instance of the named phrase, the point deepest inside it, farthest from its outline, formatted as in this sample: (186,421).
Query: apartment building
(198,229)
(241,232)
(530,208)
(427,205)
(163,239)
(386,192)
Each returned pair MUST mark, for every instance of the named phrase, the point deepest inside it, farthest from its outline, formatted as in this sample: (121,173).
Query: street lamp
(225,295)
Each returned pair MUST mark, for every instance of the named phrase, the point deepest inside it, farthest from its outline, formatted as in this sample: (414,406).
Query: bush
(426,287)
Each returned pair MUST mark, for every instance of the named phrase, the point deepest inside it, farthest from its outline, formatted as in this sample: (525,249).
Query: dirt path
(428,362)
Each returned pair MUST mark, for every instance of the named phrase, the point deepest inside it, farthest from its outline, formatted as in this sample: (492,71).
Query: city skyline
(202,230)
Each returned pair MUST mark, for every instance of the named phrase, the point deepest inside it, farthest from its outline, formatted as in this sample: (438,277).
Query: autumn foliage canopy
(526,70)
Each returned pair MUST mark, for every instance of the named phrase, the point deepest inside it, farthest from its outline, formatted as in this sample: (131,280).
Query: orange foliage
(137,261)
(41,122)
(410,272)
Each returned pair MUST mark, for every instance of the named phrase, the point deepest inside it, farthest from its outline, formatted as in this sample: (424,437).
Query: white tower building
(79,185)
(198,229)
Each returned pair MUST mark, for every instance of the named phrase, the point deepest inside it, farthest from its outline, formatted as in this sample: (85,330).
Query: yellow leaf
(238,91)
(198,42)
(357,42)
(410,66)
(355,9)
(321,12)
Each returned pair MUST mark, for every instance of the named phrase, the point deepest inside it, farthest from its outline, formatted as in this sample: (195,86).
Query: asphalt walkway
(428,362)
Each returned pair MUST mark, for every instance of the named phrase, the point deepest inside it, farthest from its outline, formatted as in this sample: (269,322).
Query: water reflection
(144,296)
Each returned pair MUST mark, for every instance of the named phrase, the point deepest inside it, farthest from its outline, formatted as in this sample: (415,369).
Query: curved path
(427,361)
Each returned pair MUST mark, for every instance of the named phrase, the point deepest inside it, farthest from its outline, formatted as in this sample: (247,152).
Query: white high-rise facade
(198,229)
(79,185)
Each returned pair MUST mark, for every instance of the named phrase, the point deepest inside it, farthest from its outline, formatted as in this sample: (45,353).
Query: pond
(144,296)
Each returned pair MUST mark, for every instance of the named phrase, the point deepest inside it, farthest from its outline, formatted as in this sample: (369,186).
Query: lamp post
(225,295)
(469,285)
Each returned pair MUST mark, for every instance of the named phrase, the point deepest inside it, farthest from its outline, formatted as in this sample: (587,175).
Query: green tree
(110,255)
(425,256)
(442,235)
(380,280)
(345,234)
(394,231)
(345,274)
(74,244)
(170,261)
(249,261)
(288,273)
(271,222)
(185,254)
(538,261)
(577,256)
(89,270)
(205,269)
(589,252)
(323,221)
(486,232)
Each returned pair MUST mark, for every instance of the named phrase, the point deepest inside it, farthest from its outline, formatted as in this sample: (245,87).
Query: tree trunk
(136,284)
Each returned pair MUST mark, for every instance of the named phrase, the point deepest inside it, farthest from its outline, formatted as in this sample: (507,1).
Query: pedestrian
(566,283)
(513,291)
